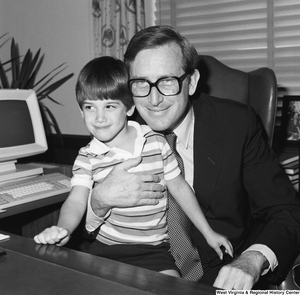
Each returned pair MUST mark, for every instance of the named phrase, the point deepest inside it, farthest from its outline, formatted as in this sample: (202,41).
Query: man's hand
(242,273)
(123,189)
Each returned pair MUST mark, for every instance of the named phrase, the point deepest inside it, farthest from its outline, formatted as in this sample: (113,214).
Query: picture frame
(290,121)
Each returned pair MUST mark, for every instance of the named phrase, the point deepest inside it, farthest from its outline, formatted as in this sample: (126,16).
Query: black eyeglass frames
(167,86)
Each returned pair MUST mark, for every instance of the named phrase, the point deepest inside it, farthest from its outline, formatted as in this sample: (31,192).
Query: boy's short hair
(103,78)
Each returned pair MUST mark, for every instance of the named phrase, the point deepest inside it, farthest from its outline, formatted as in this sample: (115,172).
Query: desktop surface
(29,268)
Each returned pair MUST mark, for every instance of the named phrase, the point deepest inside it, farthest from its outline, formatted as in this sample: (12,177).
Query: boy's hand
(53,235)
(216,240)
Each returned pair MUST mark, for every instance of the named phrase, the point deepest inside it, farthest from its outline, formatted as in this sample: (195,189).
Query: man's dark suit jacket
(240,186)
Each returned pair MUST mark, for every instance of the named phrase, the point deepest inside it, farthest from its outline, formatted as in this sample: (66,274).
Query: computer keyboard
(31,189)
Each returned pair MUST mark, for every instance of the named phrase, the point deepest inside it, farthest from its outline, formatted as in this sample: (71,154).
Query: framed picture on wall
(290,121)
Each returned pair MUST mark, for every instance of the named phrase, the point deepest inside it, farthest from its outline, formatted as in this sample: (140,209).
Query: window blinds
(286,45)
(243,34)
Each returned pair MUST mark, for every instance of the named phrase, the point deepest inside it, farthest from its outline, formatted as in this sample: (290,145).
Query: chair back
(257,88)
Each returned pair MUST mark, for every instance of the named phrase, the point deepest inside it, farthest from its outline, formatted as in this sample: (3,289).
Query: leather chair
(257,88)
(292,281)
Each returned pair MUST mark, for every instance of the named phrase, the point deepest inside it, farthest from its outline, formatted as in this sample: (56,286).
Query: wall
(62,29)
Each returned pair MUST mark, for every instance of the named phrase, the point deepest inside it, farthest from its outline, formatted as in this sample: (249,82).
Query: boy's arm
(70,216)
(73,208)
(187,200)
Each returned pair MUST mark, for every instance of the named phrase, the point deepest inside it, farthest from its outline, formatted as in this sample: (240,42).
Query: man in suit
(237,179)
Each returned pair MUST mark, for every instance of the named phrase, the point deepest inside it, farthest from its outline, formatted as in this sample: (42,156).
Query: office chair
(292,281)
(257,88)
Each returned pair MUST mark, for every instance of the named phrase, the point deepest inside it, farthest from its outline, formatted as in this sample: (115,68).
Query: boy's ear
(130,111)
(81,112)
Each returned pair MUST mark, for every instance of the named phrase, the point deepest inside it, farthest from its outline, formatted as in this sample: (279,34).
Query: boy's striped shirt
(141,224)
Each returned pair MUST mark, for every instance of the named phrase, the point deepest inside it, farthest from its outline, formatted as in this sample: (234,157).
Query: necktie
(185,254)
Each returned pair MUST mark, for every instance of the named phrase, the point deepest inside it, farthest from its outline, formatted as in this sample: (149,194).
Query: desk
(29,268)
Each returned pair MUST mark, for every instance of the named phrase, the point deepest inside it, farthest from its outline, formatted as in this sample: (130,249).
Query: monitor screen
(21,127)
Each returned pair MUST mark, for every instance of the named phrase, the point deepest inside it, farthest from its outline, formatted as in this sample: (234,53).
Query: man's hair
(156,36)
(103,78)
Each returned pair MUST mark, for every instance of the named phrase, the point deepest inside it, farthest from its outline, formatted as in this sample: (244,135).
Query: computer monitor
(22,131)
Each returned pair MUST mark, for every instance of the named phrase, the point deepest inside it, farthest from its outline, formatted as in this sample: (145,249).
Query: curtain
(114,24)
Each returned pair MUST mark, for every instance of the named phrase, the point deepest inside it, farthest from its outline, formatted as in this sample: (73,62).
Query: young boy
(135,235)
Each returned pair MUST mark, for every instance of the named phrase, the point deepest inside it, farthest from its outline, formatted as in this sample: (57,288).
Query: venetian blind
(244,34)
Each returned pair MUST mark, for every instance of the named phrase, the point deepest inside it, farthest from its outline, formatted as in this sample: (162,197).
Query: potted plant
(23,73)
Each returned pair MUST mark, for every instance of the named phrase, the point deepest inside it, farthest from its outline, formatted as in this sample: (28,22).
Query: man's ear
(194,79)
(130,111)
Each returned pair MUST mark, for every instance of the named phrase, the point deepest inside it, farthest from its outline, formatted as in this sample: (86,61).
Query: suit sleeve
(273,201)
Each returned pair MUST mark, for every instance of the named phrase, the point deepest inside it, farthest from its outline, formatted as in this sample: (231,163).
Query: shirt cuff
(268,253)
(92,220)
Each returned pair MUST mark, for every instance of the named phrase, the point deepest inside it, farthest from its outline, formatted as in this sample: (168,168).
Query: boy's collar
(97,147)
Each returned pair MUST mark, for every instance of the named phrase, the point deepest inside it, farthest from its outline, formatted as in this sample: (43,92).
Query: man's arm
(274,204)
(123,189)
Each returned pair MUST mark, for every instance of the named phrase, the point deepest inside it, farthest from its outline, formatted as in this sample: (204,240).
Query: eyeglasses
(166,86)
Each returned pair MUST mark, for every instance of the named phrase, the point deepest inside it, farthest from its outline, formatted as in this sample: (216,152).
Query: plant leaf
(3,35)
(31,68)
(3,77)
(23,76)
(50,98)
(15,64)
(55,124)
(5,40)
(25,69)
(42,79)
(45,92)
